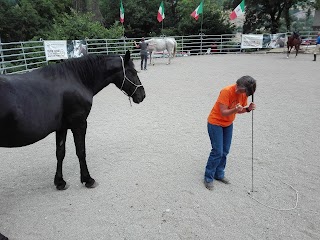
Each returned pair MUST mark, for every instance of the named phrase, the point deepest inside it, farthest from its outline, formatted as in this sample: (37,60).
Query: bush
(81,26)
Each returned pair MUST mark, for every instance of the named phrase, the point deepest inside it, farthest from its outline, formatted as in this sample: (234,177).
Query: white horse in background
(161,44)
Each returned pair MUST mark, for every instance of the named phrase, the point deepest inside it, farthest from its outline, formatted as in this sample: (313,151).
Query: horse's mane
(84,66)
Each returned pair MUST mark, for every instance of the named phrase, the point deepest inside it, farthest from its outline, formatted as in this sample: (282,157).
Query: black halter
(126,78)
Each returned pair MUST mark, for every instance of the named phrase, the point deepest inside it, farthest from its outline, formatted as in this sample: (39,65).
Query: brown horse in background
(293,41)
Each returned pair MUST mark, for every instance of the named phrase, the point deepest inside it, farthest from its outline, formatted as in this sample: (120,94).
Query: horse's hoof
(2,237)
(62,187)
(91,184)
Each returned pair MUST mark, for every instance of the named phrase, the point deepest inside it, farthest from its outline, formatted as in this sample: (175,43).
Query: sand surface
(149,160)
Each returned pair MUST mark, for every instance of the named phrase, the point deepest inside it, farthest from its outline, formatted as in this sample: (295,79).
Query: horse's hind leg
(169,57)
(79,134)
(60,154)
(289,50)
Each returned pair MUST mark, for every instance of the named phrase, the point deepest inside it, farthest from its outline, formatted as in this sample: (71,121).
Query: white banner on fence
(252,41)
(274,40)
(56,49)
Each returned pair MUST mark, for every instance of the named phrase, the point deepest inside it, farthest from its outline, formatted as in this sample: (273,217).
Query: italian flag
(195,14)
(121,12)
(238,11)
(160,16)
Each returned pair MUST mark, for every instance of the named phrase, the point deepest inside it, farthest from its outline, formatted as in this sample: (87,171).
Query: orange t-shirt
(230,98)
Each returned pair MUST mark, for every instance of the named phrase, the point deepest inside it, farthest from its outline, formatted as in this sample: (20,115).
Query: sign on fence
(77,48)
(252,41)
(56,49)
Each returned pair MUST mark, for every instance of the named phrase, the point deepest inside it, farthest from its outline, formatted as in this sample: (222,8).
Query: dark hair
(249,83)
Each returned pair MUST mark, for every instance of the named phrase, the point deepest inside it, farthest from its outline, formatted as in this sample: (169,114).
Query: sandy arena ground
(149,160)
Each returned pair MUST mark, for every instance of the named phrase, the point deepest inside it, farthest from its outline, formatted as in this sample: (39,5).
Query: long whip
(279,209)
(252,148)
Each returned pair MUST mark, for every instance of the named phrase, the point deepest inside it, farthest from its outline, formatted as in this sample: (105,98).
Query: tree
(80,26)
(85,6)
(22,20)
(214,20)
(268,13)
(140,17)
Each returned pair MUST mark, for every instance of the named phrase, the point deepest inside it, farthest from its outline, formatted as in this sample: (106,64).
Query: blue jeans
(144,58)
(220,138)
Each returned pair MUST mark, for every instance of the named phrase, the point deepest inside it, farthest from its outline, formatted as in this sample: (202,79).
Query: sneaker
(224,180)
(145,69)
(208,185)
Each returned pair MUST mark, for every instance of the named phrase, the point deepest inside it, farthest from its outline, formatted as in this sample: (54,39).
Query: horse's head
(131,84)
(295,34)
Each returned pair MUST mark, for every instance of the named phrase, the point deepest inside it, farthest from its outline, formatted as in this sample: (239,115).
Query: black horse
(59,97)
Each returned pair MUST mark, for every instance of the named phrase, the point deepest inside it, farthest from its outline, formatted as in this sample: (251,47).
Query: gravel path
(149,160)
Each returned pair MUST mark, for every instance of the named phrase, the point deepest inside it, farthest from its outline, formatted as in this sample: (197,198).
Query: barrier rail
(18,57)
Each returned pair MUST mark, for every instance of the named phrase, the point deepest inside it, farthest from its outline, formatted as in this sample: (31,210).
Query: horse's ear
(127,56)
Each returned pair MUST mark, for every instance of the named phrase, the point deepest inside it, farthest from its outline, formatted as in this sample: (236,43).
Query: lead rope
(126,78)
(251,196)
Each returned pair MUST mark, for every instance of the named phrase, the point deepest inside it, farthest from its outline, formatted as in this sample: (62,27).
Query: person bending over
(232,100)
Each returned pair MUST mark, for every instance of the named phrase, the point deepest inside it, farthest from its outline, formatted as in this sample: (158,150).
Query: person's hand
(239,108)
(252,106)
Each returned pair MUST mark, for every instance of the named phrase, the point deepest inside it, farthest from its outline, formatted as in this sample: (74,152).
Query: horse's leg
(79,133)
(60,153)
(289,51)
(169,56)
(150,56)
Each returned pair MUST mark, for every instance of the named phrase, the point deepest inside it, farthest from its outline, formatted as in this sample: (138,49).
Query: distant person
(231,101)
(317,48)
(143,52)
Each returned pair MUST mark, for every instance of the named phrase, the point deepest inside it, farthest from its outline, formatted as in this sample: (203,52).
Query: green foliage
(141,17)
(271,15)
(214,21)
(301,24)
(80,26)
(23,19)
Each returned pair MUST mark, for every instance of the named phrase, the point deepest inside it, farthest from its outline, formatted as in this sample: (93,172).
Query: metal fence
(18,57)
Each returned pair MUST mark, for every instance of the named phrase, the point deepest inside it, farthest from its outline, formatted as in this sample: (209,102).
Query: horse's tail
(174,48)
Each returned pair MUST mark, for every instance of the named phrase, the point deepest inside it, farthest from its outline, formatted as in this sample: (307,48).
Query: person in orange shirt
(231,101)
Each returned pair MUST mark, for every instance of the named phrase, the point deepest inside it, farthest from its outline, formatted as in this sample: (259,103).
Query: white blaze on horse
(161,44)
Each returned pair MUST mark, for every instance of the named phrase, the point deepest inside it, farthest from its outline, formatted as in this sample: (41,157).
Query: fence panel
(17,57)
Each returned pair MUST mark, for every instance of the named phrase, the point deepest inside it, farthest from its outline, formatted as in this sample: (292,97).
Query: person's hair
(249,83)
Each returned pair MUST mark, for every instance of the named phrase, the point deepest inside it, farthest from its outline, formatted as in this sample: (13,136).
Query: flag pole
(201,26)
(202,17)
(162,27)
